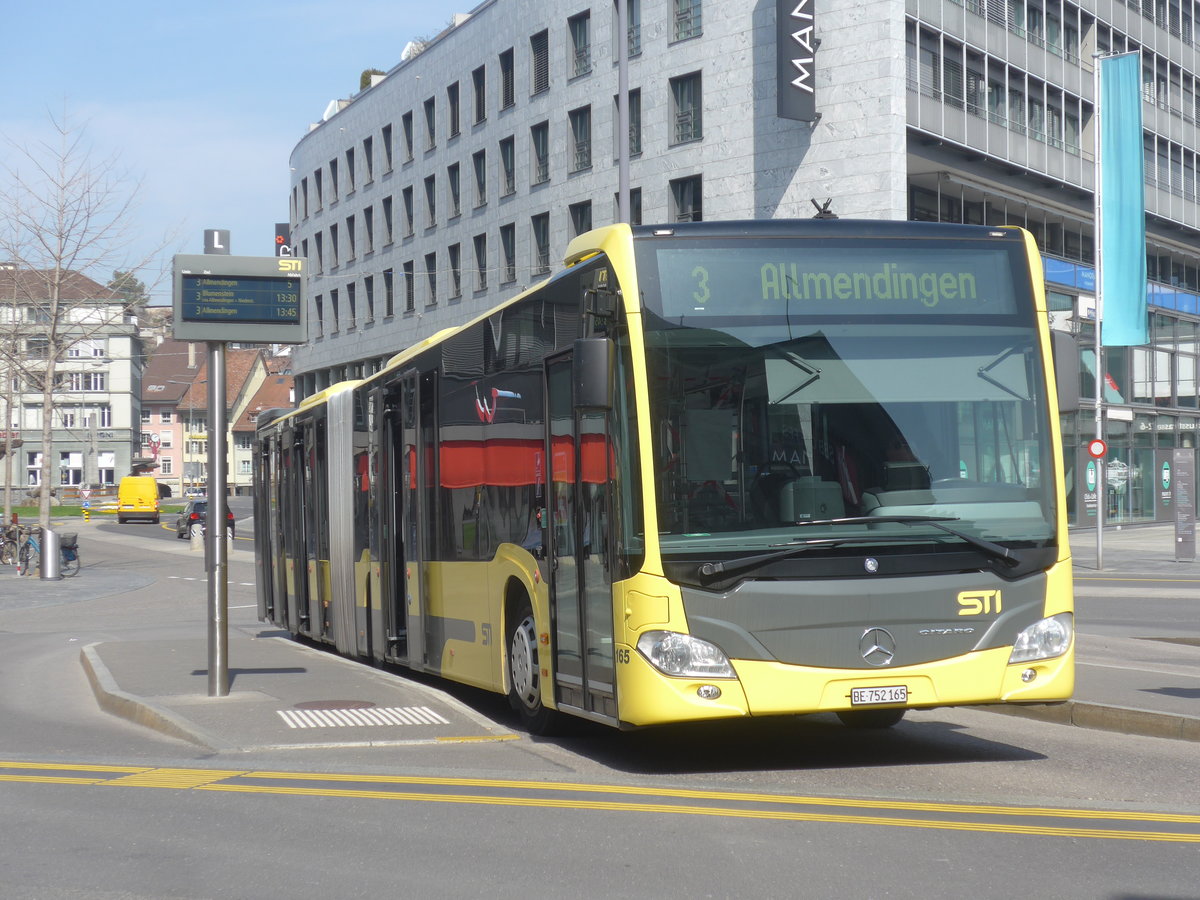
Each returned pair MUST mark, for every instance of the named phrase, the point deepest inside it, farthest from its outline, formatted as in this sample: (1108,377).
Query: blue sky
(203,102)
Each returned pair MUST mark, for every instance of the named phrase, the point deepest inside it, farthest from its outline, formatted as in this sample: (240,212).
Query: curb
(126,706)
(1121,719)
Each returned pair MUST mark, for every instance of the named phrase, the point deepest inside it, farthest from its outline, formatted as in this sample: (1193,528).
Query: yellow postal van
(137,498)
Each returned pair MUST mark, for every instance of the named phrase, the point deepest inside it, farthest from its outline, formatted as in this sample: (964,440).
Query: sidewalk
(285,694)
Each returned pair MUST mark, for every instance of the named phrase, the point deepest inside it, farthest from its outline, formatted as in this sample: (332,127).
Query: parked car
(195,515)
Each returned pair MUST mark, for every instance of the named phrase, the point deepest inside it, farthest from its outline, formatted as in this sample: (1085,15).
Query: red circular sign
(1097,448)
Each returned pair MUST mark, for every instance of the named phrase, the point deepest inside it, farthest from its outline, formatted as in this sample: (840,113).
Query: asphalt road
(951,803)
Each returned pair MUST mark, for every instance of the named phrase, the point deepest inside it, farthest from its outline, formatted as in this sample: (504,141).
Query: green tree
(364,80)
(127,286)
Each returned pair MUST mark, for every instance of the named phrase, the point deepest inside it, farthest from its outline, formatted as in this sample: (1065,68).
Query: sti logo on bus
(976,603)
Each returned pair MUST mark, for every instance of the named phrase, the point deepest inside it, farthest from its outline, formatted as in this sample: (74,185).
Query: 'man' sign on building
(796,60)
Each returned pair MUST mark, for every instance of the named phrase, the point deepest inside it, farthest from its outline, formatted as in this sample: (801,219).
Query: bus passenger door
(399,518)
(580,580)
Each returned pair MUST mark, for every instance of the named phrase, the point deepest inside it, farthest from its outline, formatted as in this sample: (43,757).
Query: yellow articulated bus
(706,471)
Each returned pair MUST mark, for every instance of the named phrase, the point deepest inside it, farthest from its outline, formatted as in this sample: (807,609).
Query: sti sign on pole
(248,299)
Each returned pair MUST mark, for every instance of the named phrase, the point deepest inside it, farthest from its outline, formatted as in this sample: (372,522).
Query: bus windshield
(835,396)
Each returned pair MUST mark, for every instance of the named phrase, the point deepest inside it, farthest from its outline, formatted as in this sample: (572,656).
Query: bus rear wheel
(524,678)
(871,718)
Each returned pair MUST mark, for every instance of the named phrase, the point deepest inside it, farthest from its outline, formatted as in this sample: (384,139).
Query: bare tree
(66,222)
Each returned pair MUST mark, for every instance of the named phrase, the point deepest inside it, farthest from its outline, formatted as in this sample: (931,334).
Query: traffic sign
(1097,448)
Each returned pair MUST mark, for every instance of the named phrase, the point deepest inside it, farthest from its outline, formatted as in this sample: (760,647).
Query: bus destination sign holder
(251,299)
(219,298)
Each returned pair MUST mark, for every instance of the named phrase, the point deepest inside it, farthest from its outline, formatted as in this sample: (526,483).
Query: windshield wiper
(992,549)
(997,551)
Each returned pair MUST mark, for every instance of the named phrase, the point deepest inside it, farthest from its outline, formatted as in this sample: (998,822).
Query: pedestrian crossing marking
(372,716)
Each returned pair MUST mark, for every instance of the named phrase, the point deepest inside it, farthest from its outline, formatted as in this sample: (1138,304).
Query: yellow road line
(712,803)
(778,815)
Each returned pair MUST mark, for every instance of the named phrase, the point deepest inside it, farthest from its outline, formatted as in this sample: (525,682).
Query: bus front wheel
(524,678)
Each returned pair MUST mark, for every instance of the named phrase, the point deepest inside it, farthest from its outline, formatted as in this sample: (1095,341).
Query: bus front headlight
(1044,639)
(684,656)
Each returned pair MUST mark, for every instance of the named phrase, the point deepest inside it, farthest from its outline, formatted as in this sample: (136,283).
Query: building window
(479,82)
(70,467)
(455,254)
(508,160)
(508,243)
(351,306)
(635,124)
(319,187)
(334,312)
(539,51)
(508,92)
(368,230)
(333,181)
(581,217)
(687,19)
(540,228)
(407,196)
(581,47)
(387,220)
(333,246)
(369,295)
(633,22)
(581,135)
(430,123)
(481,268)
(319,304)
(166,465)
(350,184)
(479,163)
(540,143)
(410,289)
(166,416)
(406,124)
(431,277)
(685,108)
(304,195)
(387,148)
(455,194)
(351,247)
(389,293)
(453,109)
(686,200)
(320,244)
(369,159)
(77,382)
(430,201)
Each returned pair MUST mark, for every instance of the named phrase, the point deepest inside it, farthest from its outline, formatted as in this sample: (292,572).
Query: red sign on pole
(1097,448)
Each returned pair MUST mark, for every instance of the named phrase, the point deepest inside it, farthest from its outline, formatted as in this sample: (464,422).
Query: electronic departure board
(240,298)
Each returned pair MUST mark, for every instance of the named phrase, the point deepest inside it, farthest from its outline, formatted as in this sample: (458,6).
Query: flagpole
(1097,229)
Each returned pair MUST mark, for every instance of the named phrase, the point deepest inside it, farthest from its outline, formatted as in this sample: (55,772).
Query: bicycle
(29,556)
(9,545)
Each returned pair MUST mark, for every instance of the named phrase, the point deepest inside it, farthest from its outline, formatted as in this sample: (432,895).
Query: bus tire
(871,718)
(524,676)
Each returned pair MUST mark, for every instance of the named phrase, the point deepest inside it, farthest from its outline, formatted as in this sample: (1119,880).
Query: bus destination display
(266,300)
(858,280)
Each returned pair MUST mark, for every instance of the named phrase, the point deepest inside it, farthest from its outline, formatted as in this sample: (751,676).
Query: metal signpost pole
(214,533)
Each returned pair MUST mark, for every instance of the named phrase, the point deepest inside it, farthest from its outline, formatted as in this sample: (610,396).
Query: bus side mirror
(1065,350)
(592,372)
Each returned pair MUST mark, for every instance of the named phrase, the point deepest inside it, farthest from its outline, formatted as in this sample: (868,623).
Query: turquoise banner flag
(1122,203)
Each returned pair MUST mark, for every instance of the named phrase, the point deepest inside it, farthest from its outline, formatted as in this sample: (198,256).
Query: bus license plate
(871,695)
